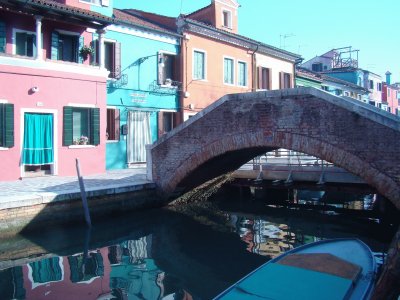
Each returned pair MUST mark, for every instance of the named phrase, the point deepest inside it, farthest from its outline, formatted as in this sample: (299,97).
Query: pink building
(52,101)
(390,95)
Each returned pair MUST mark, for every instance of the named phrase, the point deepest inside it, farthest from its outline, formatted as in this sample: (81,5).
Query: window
(166,69)
(264,78)
(2,37)
(227,18)
(25,44)
(6,125)
(285,81)
(113,124)
(317,67)
(112,59)
(66,47)
(81,126)
(199,65)
(228,71)
(242,73)
(379,86)
(166,122)
(371,84)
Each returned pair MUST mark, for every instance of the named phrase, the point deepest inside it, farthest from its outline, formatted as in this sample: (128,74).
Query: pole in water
(83,194)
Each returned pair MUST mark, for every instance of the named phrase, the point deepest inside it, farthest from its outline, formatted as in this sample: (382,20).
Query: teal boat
(328,269)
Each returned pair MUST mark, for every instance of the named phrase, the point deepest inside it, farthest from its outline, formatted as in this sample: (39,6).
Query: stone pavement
(37,190)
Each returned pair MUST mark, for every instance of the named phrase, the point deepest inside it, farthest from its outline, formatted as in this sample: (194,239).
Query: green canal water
(191,251)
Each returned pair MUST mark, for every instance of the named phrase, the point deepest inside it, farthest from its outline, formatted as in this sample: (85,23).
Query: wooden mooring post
(83,194)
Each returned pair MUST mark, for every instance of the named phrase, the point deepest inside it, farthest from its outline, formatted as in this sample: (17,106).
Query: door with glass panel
(38,144)
(139,135)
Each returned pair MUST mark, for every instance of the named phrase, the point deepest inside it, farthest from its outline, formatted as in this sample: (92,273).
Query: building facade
(52,100)
(142,88)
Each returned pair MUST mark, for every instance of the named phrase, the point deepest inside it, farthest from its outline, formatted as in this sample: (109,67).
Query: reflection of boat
(329,269)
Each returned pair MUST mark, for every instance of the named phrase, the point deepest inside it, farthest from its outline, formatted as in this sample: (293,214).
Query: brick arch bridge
(355,136)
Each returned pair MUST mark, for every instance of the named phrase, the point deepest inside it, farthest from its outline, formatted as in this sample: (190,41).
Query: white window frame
(14,41)
(171,54)
(233,70)
(229,16)
(92,2)
(205,65)
(246,79)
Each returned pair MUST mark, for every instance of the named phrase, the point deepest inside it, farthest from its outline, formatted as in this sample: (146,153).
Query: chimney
(388,77)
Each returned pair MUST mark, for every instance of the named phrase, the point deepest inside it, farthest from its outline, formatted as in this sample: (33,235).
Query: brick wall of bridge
(236,128)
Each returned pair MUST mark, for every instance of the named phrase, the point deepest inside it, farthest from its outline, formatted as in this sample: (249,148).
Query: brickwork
(355,136)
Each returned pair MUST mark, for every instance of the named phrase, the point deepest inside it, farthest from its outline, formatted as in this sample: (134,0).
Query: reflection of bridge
(352,135)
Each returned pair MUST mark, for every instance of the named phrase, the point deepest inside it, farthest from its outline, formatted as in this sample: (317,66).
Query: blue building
(143,86)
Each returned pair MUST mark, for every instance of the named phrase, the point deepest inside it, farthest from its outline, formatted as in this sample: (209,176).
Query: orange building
(215,60)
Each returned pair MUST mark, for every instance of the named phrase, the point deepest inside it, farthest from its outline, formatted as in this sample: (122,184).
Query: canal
(188,251)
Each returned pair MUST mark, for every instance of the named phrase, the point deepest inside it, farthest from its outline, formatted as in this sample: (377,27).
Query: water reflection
(122,271)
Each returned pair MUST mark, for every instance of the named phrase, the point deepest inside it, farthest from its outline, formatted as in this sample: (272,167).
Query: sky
(310,27)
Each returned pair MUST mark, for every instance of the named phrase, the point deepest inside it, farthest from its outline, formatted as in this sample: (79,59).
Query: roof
(220,33)
(59,12)
(139,18)
(305,73)
(170,24)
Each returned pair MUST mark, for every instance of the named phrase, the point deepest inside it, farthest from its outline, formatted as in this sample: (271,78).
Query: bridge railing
(286,157)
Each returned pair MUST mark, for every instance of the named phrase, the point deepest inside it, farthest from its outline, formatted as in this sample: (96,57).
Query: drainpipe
(254,68)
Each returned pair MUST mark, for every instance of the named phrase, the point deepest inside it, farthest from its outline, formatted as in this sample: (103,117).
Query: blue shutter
(80,45)
(9,125)
(95,126)
(2,37)
(67,126)
(54,45)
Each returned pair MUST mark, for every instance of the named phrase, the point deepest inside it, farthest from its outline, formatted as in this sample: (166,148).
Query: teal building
(143,84)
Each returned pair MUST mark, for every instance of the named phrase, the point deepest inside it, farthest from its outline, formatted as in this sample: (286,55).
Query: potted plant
(83,140)
(85,51)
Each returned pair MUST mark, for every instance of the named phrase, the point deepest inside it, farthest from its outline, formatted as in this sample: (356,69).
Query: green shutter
(80,46)
(54,45)
(20,43)
(67,126)
(8,125)
(2,37)
(95,126)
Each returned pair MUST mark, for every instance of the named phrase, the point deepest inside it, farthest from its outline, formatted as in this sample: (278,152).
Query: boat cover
(277,281)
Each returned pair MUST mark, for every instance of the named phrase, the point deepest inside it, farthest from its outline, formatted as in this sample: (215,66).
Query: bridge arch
(355,136)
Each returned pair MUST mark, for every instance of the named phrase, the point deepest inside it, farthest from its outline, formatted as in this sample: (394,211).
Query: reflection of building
(134,275)
(12,283)
(56,275)
(263,237)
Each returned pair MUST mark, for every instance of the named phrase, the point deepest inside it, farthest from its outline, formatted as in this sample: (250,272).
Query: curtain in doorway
(38,139)
(139,135)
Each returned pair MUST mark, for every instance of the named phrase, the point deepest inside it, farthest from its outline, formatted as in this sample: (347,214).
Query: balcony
(51,65)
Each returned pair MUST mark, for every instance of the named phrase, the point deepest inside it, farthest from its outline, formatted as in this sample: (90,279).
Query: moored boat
(328,269)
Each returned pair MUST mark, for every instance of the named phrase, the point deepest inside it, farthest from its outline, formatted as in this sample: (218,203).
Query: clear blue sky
(311,27)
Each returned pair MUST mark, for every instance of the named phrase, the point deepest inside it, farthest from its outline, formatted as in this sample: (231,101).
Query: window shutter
(117,60)
(259,81)
(117,125)
(67,126)
(160,122)
(95,126)
(95,57)
(8,125)
(161,66)
(2,37)
(281,80)
(80,45)
(54,45)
